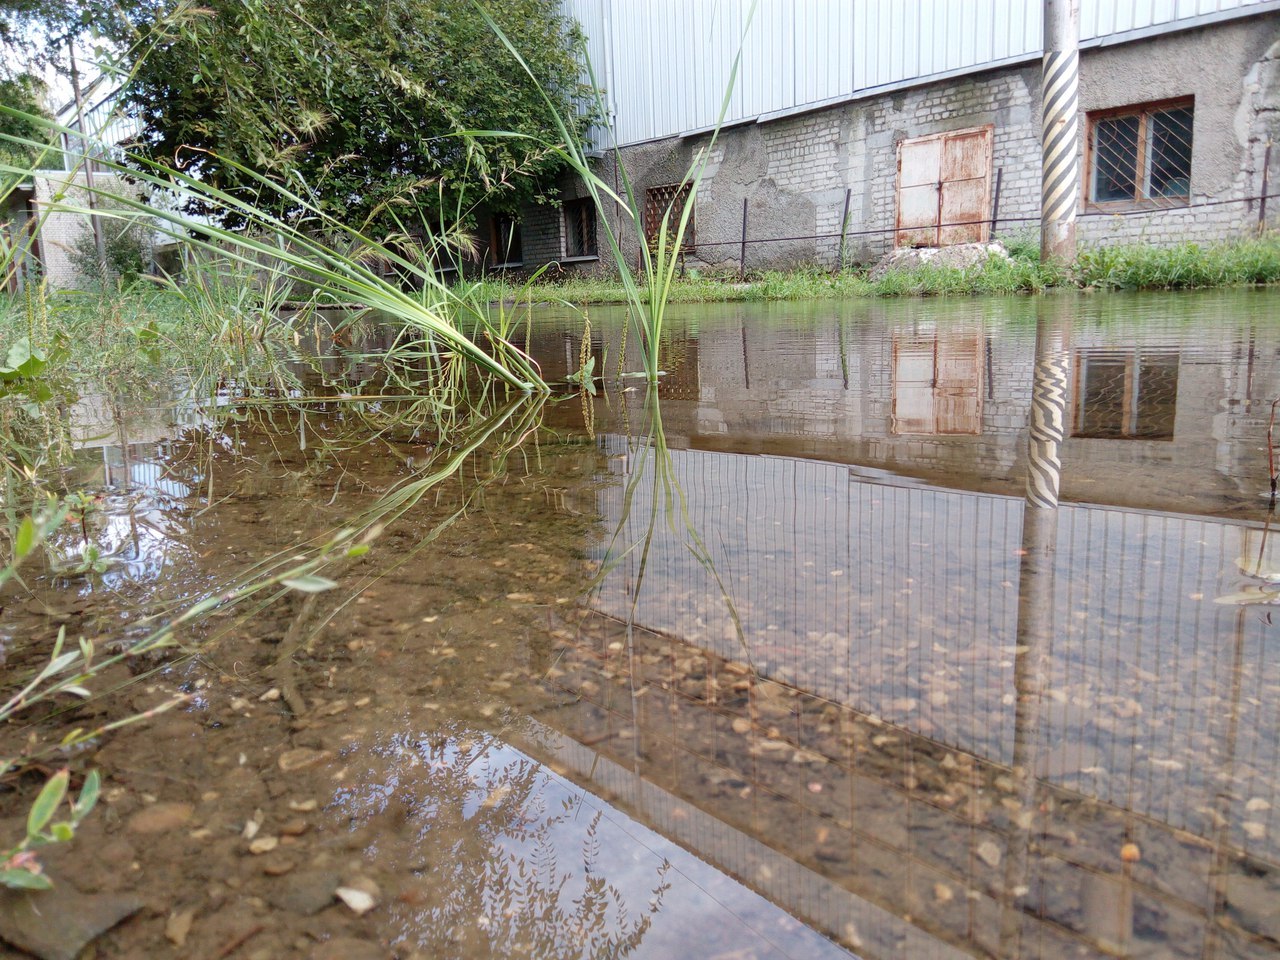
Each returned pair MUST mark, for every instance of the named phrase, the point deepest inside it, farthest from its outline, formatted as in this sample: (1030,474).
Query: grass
(1253,260)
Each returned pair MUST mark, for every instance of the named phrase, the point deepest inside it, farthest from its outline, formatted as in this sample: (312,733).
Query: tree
(25,93)
(360,105)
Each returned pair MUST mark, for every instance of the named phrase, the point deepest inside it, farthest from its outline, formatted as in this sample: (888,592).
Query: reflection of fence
(901,601)
(853,824)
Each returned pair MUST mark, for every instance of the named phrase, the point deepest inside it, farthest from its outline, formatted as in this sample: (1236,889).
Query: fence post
(844,230)
(995,202)
(742,251)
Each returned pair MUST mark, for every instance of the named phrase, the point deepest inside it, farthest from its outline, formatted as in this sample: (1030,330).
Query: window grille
(1125,395)
(657,201)
(1142,155)
(580,228)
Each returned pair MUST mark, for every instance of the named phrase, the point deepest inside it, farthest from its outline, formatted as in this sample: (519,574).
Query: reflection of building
(1125,394)
(942,390)
(937,383)
(824,692)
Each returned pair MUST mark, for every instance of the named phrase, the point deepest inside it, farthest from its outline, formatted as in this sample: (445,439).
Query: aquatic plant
(648,290)
(335,258)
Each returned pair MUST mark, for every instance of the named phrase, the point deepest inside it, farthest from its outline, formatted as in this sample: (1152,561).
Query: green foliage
(20,869)
(355,105)
(25,93)
(1188,265)
(127,245)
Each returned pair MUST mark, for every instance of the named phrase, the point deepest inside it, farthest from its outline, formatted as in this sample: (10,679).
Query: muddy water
(780,663)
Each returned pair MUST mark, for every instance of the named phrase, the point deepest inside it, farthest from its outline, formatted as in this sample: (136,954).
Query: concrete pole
(1060,95)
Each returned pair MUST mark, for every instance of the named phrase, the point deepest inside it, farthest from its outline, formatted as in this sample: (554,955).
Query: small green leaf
(46,804)
(309,583)
(26,538)
(62,831)
(24,880)
(88,794)
(359,550)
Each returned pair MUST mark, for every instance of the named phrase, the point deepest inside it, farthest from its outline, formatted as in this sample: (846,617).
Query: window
(504,241)
(944,188)
(580,228)
(1141,156)
(657,201)
(1125,395)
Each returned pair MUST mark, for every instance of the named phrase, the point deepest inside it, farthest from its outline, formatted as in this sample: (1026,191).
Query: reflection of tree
(486,830)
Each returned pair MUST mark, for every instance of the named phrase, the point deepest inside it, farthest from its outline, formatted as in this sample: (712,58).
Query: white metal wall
(665,64)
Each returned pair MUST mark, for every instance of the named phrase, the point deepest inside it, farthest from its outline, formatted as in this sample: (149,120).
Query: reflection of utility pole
(1222,805)
(99,241)
(1060,100)
(1035,603)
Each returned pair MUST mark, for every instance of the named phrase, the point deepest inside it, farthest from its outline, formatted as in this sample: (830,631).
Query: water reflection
(1071,653)
(842,663)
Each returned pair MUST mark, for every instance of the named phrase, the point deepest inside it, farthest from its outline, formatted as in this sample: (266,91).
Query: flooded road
(809,654)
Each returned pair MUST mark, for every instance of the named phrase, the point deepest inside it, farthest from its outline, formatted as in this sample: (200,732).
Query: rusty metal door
(944,188)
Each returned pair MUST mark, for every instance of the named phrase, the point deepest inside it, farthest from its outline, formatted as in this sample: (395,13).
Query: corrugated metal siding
(666,63)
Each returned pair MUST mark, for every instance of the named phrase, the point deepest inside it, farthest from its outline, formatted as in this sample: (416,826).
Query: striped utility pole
(1060,93)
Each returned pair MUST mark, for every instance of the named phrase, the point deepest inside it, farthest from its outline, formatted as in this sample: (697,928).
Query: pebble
(989,853)
(303,806)
(360,901)
(263,845)
(307,892)
(302,757)
(160,818)
(178,925)
(278,866)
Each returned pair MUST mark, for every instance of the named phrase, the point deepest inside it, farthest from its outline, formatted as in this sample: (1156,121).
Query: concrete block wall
(1232,71)
(794,172)
(60,233)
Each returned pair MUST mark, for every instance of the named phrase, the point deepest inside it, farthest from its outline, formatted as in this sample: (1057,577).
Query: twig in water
(1271,451)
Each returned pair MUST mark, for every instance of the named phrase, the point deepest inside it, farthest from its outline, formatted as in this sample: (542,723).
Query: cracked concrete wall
(795,172)
(1233,72)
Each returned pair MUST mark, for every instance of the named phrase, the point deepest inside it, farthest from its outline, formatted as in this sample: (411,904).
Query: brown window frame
(1144,112)
(580,213)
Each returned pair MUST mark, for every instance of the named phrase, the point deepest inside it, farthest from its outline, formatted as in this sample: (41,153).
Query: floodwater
(783,661)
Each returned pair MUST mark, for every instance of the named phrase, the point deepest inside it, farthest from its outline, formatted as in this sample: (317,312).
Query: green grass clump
(1254,260)
(1186,266)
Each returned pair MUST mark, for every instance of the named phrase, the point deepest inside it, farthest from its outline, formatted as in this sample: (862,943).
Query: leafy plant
(647,296)
(20,867)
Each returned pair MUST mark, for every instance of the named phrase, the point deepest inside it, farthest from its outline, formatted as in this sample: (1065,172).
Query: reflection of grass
(651,462)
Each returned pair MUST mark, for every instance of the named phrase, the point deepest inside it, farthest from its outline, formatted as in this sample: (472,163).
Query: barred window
(580,228)
(657,200)
(1141,155)
(1125,394)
